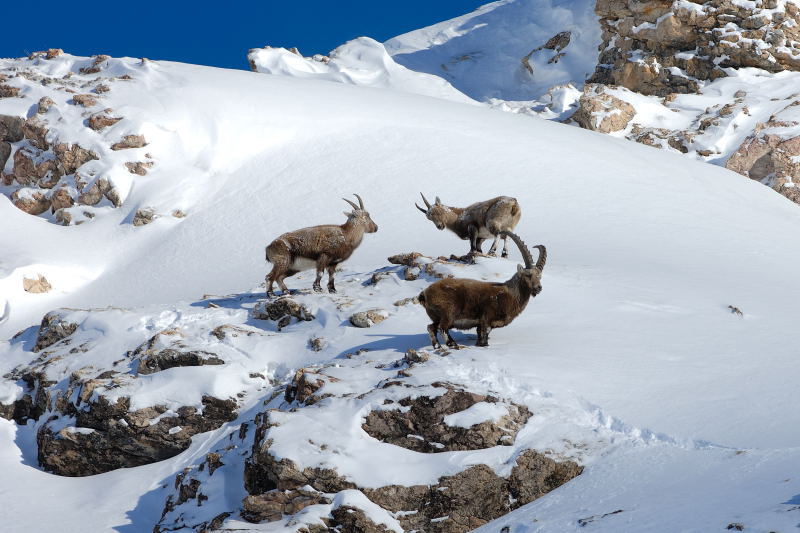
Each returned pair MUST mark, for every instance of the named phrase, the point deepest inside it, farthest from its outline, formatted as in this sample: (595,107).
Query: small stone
(139,168)
(144,216)
(102,120)
(367,319)
(85,100)
(102,88)
(7,91)
(36,286)
(129,141)
(177,213)
(11,128)
(45,103)
(53,53)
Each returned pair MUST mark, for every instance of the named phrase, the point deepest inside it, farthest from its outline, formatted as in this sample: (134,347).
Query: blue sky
(218,34)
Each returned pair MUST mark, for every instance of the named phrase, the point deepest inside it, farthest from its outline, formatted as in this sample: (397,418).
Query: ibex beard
(467,303)
(318,247)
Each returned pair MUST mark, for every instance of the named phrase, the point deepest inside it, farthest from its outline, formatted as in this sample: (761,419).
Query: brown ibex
(468,303)
(477,222)
(320,247)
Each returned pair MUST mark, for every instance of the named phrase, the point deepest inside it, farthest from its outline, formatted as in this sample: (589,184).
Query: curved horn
(360,201)
(542,257)
(427,203)
(423,210)
(351,203)
(523,249)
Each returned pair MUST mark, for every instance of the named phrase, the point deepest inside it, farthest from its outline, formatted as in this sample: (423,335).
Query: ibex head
(530,276)
(436,213)
(359,216)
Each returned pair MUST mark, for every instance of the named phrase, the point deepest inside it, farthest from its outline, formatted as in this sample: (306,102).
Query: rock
(600,111)
(303,386)
(30,201)
(7,91)
(72,156)
(130,141)
(166,350)
(85,100)
(139,167)
(367,319)
(61,198)
(409,259)
(97,64)
(45,103)
(63,217)
(36,132)
(281,310)
(5,153)
(53,53)
(108,436)
(348,519)
(102,120)
(54,328)
(419,423)
(102,88)
(271,506)
(413,357)
(99,189)
(36,286)
(177,213)
(644,43)
(144,216)
(11,128)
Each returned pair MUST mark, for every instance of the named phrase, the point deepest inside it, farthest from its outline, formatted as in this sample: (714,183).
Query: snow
(630,359)
(479,412)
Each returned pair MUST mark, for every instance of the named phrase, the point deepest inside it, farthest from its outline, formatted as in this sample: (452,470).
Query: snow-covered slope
(630,359)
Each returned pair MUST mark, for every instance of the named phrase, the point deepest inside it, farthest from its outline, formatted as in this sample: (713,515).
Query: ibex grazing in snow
(320,247)
(477,222)
(467,303)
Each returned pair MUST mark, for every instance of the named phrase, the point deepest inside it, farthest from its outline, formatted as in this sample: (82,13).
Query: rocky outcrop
(598,110)
(107,436)
(167,349)
(772,154)
(659,47)
(54,328)
(419,423)
(129,141)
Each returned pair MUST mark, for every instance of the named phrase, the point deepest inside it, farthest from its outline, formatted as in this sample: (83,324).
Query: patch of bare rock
(283,311)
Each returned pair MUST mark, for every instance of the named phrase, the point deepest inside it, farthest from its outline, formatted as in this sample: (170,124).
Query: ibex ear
(438,202)
(520,268)
(348,215)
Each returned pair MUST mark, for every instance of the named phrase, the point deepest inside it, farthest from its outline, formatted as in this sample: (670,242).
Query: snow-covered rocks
(368,318)
(282,310)
(601,111)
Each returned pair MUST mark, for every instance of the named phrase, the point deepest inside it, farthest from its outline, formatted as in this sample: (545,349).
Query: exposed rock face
(32,202)
(271,506)
(598,110)
(772,154)
(658,47)
(72,156)
(54,328)
(109,436)
(138,167)
(11,128)
(102,120)
(367,319)
(85,100)
(420,424)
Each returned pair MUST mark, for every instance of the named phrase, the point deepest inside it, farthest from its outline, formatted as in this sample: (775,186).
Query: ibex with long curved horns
(467,303)
(320,247)
(477,222)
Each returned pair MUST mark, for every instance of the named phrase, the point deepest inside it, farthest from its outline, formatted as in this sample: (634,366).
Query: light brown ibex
(468,303)
(320,247)
(477,222)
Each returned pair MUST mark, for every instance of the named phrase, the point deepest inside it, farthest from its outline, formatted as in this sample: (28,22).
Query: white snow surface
(684,414)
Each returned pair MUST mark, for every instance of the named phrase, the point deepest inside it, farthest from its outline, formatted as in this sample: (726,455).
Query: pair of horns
(526,253)
(427,203)
(360,202)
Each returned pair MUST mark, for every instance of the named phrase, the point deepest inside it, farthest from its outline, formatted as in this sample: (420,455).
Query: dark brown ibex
(477,222)
(320,247)
(468,303)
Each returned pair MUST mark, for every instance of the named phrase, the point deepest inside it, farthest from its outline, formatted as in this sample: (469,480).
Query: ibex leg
(432,332)
(322,263)
(493,249)
(483,335)
(505,246)
(331,271)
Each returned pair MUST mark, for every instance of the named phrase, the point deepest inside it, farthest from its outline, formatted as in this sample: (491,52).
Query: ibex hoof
(491,254)
(332,290)
(505,254)
(317,288)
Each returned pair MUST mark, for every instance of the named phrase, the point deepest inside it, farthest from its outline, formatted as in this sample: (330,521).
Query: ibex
(320,247)
(467,303)
(477,222)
